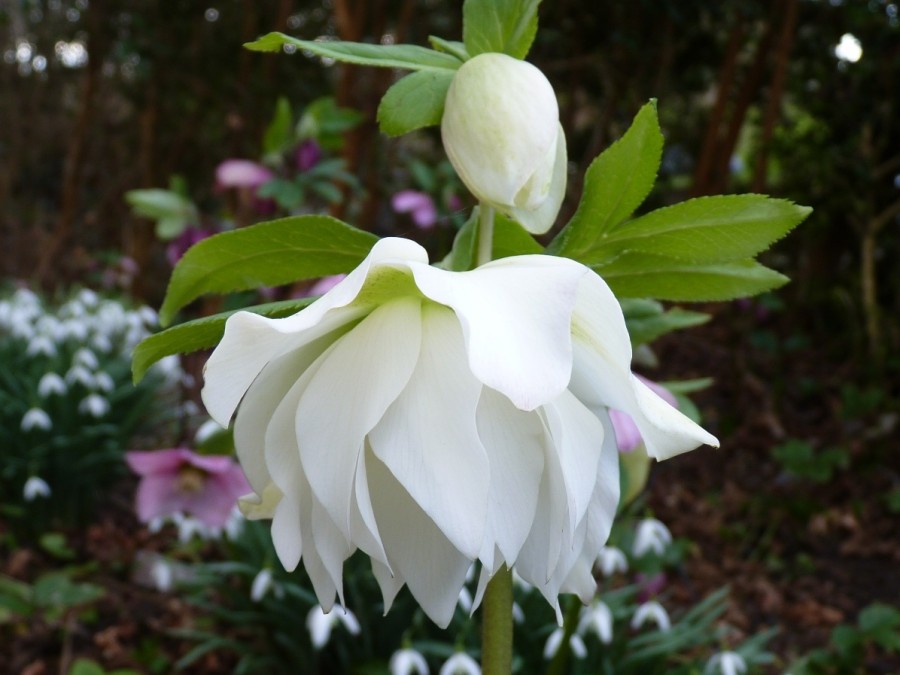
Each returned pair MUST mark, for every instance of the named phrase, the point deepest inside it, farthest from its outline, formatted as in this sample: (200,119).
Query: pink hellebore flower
(206,486)
(242,173)
(307,155)
(627,435)
(418,205)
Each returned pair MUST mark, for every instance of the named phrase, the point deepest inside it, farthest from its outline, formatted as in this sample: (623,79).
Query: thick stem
(497,625)
(485,234)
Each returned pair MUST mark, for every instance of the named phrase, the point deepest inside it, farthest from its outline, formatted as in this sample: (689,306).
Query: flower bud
(502,134)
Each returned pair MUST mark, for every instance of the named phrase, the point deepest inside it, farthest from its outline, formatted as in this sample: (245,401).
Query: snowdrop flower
(652,611)
(234,525)
(51,384)
(460,664)
(419,205)
(88,298)
(651,535)
(35,487)
(465,599)
(85,357)
(36,418)
(207,430)
(103,382)
(162,574)
(81,375)
(94,405)
(518,614)
(262,584)
(41,344)
(576,644)
(178,480)
(727,663)
(101,343)
(407,662)
(431,418)
(501,131)
(320,624)
(611,560)
(597,619)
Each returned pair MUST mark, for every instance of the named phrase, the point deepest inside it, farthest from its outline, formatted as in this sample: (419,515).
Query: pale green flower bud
(502,134)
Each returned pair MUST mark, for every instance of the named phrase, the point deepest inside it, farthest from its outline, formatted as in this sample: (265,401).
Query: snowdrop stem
(485,234)
(560,662)
(497,625)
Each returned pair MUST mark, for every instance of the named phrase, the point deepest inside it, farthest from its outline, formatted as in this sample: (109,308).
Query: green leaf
(510,239)
(409,57)
(643,275)
(413,102)
(505,26)
(199,334)
(279,134)
(267,254)
(616,183)
(705,230)
(457,49)
(648,320)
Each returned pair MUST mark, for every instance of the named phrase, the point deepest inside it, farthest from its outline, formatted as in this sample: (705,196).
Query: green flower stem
(560,661)
(497,625)
(485,234)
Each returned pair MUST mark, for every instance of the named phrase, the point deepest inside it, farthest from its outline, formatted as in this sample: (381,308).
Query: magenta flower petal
(157,496)
(308,154)
(146,463)
(242,173)
(418,204)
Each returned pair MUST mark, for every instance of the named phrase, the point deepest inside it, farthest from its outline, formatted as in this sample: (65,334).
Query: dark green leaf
(409,57)
(510,239)
(279,135)
(616,183)
(413,102)
(267,254)
(505,26)
(199,334)
(648,320)
(457,49)
(643,275)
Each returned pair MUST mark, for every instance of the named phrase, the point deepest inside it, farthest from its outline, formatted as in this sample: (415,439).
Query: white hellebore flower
(35,487)
(460,664)
(431,418)
(727,663)
(501,131)
(407,662)
(320,624)
(654,612)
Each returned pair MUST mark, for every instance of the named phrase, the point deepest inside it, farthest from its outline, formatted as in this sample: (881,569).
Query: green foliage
(279,135)
(510,239)
(51,596)
(801,460)
(877,627)
(88,667)
(68,409)
(616,183)
(648,319)
(700,249)
(171,210)
(414,102)
(326,123)
(267,254)
(201,333)
(407,57)
(505,26)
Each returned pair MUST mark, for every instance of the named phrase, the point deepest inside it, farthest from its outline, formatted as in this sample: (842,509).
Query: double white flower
(431,418)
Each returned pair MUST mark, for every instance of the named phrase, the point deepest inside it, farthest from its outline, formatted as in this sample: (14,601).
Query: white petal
(286,535)
(541,219)
(430,565)
(515,315)
(428,438)
(330,546)
(363,526)
(251,341)
(514,442)
(354,384)
(389,583)
(601,376)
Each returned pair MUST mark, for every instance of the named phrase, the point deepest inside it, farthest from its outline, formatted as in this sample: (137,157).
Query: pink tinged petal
(627,435)
(514,442)
(157,496)
(355,383)
(511,311)
(251,341)
(431,566)
(428,438)
(242,173)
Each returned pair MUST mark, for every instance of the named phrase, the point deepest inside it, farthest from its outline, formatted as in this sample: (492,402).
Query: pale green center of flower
(385,283)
